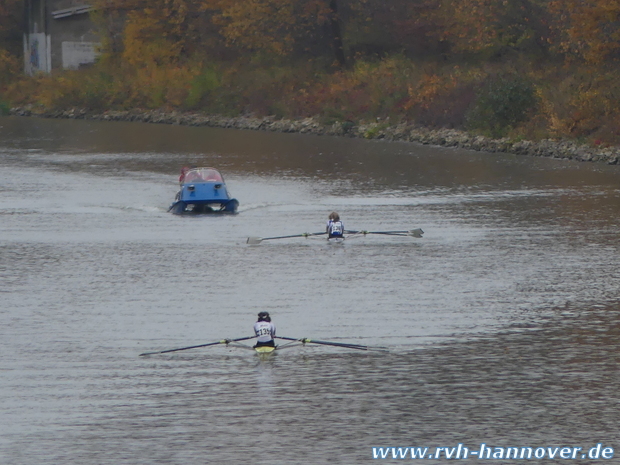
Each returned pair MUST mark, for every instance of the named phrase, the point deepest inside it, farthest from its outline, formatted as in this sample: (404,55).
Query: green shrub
(501,104)
(375,131)
(4,107)
(202,86)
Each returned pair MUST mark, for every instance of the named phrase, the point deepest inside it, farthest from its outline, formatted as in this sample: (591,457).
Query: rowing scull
(270,349)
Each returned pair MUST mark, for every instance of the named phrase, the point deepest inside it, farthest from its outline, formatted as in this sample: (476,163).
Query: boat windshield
(202,175)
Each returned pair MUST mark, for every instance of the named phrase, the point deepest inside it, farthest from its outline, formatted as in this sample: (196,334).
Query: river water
(502,322)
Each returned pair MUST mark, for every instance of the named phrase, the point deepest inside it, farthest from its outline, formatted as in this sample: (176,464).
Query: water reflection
(377,165)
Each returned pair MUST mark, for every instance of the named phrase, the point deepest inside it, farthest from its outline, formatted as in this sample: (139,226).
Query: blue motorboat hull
(204,197)
(204,206)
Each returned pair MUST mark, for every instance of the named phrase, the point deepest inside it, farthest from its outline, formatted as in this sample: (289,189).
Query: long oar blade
(413,232)
(223,341)
(289,338)
(336,344)
(254,240)
(258,240)
(305,340)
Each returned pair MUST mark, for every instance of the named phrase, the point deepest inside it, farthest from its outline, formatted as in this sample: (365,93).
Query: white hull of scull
(335,240)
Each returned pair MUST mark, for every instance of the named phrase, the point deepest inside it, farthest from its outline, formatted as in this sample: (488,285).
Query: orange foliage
(493,25)
(271,25)
(147,41)
(591,28)
(256,24)
(194,53)
(9,68)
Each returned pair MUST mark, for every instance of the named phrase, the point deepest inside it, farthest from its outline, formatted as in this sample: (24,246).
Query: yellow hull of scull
(264,349)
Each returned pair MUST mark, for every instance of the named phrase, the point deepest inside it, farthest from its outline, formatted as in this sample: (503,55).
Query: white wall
(75,54)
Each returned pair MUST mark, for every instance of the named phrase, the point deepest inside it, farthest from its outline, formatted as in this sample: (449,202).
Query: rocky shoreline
(375,130)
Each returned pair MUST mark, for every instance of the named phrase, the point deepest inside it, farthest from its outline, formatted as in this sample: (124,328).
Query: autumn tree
(494,27)
(376,28)
(183,28)
(591,28)
(284,27)
(11,22)
(11,14)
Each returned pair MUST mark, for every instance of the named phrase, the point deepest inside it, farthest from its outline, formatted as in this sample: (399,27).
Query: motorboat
(203,190)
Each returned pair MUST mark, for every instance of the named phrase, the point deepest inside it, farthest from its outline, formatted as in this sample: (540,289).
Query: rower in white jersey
(335,227)
(265,330)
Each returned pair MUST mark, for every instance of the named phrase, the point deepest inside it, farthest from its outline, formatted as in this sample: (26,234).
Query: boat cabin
(203,191)
(198,175)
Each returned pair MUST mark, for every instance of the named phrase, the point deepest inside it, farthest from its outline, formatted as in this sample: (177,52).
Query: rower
(265,330)
(335,227)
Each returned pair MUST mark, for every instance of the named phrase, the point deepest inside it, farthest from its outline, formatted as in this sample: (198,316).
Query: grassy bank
(509,100)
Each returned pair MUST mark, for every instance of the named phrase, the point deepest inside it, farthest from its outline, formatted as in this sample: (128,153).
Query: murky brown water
(502,322)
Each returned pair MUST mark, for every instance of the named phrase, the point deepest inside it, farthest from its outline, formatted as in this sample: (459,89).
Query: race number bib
(264,332)
(336,228)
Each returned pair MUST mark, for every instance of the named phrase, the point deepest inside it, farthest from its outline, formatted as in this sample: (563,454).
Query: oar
(413,232)
(223,341)
(258,240)
(327,343)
